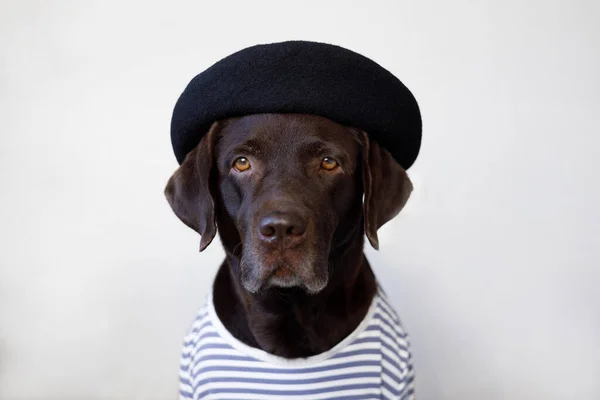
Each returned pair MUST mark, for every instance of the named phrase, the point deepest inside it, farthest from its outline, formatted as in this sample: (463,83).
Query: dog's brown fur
(303,293)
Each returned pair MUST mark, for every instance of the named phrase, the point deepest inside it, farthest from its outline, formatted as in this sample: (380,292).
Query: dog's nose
(280,226)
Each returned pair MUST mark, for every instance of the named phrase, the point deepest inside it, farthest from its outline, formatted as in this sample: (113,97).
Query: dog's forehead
(271,131)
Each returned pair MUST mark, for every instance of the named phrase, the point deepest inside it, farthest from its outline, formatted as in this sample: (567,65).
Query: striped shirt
(373,362)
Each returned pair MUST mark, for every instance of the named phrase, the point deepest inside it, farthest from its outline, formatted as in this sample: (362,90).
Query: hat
(301,77)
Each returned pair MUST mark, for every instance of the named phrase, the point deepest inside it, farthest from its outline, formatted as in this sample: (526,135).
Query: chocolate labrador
(292,197)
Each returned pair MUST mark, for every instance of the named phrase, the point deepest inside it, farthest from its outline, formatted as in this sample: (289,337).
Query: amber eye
(241,164)
(329,164)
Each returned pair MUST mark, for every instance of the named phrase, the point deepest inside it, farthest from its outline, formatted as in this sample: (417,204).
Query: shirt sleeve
(409,391)
(186,390)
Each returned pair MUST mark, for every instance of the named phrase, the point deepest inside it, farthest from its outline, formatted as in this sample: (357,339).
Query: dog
(295,304)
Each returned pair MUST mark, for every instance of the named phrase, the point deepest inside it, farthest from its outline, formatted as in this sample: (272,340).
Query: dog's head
(285,190)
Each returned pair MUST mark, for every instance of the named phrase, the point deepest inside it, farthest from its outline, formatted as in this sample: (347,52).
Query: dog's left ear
(386,187)
(189,189)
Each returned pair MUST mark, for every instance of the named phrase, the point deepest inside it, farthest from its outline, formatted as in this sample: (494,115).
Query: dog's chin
(284,281)
(312,286)
(262,273)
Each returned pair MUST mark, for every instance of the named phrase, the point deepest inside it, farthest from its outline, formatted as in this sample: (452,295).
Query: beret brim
(301,77)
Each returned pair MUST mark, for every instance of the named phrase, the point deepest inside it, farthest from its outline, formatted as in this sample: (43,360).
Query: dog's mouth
(282,270)
(283,276)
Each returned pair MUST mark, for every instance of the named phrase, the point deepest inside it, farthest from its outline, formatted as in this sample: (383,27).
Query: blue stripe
(208,346)
(185,381)
(194,351)
(206,335)
(396,339)
(211,346)
(394,316)
(369,339)
(387,386)
(374,395)
(387,346)
(395,364)
(202,314)
(387,322)
(357,397)
(408,393)
(200,338)
(388,316)
(201,327)
(199,319)
(258,379)
(290,392)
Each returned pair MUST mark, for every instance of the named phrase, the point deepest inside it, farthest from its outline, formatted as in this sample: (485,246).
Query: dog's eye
(329,164)
(241,164)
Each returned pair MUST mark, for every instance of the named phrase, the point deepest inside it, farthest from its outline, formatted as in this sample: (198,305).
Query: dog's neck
(289,322)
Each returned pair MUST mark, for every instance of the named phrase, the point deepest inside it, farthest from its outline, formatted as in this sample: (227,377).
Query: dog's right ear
(189,189)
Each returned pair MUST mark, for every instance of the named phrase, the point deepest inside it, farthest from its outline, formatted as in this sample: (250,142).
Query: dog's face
(287,181)
(289,188)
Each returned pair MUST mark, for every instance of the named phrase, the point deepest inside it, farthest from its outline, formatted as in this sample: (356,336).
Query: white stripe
(387,395)
(208,329)
(199,321)
(193,349)
(397,329)
(300,376)
(286,388)
(385,306)
(391,343)
(393,383)
(197,355)
(185,363)
(393,328)
(394,357)
(395,372)
(290,387)
(368,334)
(183,374)
(359,346)
(410,387)
(186,388)
(255,364)
(399,341)
(373,394)
(209,340)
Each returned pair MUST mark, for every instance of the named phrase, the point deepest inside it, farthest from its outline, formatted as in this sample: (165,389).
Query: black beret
(301,77)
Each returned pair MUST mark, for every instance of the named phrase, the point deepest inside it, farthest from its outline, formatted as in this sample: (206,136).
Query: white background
(493,265)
